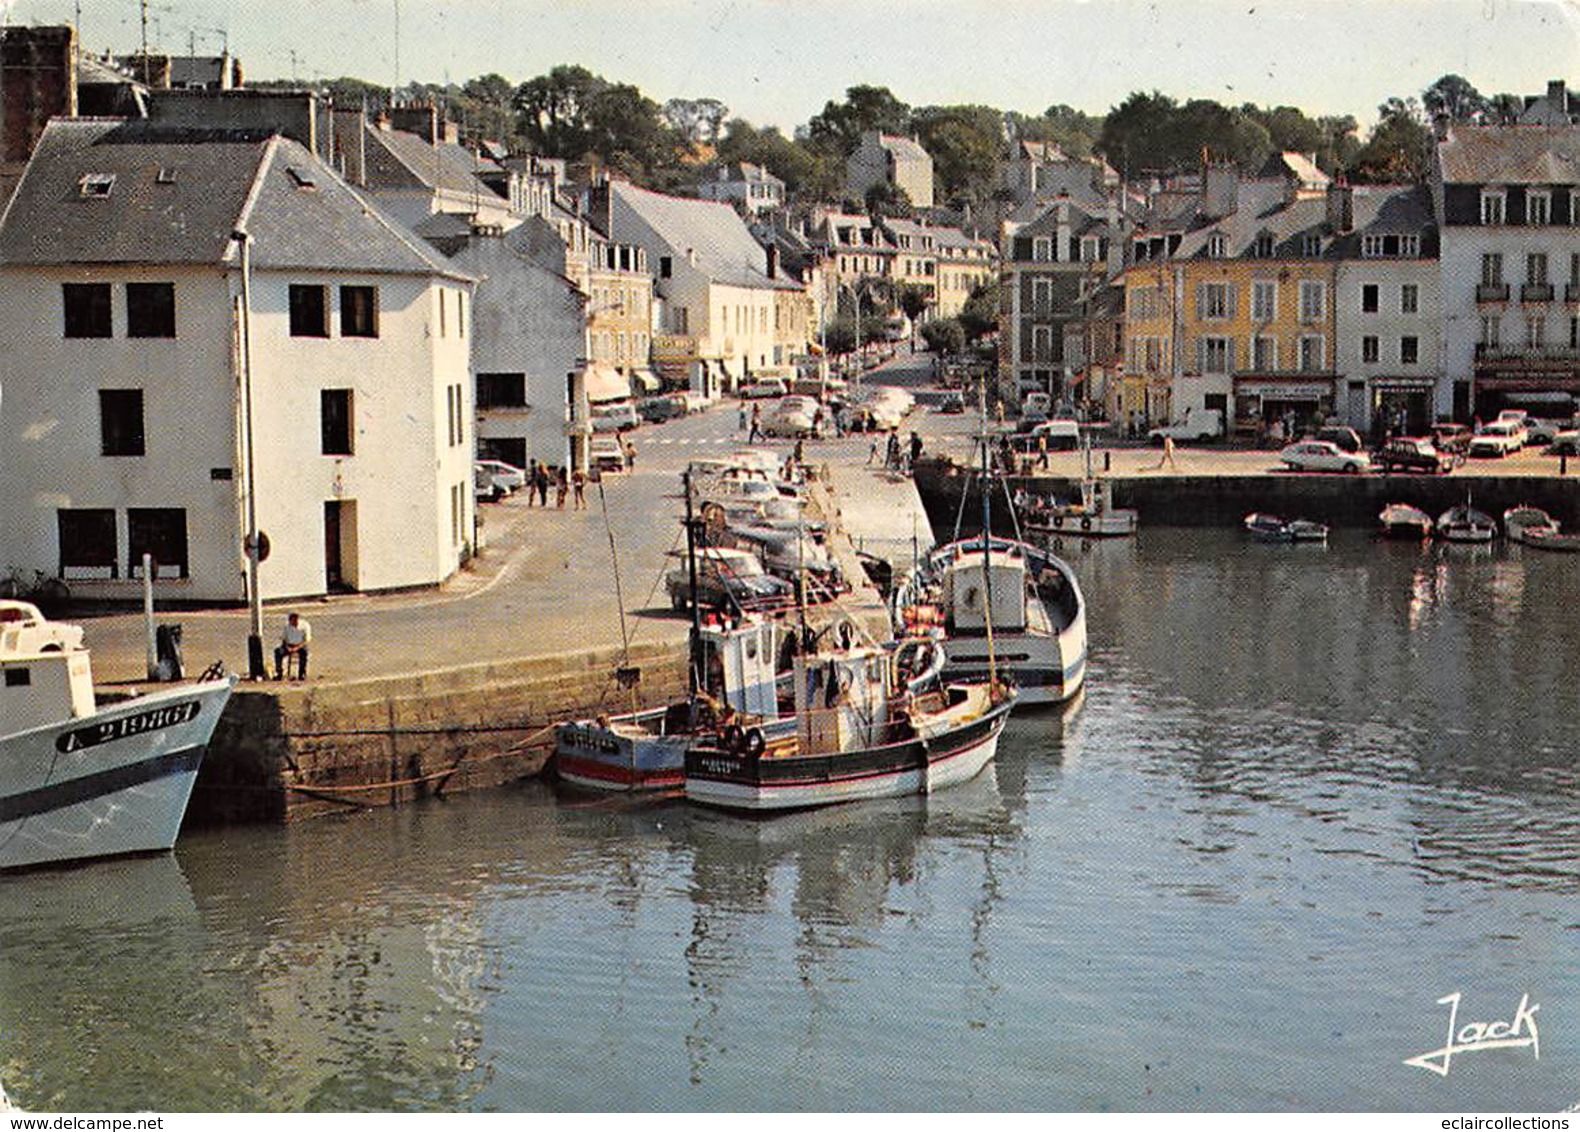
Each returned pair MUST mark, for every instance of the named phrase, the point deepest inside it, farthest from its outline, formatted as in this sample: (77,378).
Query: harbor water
(1309,792)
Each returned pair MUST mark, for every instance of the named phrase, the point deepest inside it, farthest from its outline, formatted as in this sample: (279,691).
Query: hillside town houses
(256,310)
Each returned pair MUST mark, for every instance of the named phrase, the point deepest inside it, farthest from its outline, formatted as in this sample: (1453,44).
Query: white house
(886,159)
(170,285)
(751,187)
(718,285)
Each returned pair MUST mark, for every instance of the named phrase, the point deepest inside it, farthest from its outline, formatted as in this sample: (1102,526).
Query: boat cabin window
(18,677)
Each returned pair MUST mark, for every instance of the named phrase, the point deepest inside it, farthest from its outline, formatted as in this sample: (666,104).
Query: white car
(616,416)
(794,416)
(767,387)
(1324,456)
(1498,439)
(605,454)
(506,478)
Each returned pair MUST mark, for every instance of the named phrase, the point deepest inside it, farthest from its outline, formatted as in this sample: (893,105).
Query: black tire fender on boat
(1086,522)
(755,743)
(1058,521)
(734,738)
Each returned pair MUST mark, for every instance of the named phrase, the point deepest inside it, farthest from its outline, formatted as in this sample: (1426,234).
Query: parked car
(764,389)
(484,489)
(794,416)
(1450,437)
(1539,430)
(1498,439)
(660,409)
(1413,454)
(509,477)
(615,416)
(1196,424)
(1342,435)
(1566,443)
(606,454)
(728,578)
(1323,456)
(952,402)
(1063,436)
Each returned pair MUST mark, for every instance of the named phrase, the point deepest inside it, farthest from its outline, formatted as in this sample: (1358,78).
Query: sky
(776,62)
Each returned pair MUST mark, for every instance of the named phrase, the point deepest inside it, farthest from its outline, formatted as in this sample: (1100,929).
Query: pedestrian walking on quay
(532,481)
(743,416)
(916,449)
(891,457)
(756,432)
(578,489)
(1168,455)
(561,487)
(540,484)
(628,450)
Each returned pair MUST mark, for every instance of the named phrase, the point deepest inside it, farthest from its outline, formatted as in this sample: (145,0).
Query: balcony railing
(1492,292)
(1536,292)
(1572,292)
(1487,352)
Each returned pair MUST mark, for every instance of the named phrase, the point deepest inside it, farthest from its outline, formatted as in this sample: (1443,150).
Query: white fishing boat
(1402,521)
(1463,523)
(78,780)
(1534,527)
(1092,516)
(864,728)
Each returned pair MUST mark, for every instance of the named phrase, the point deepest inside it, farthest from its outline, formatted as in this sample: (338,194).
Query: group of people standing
(540,477)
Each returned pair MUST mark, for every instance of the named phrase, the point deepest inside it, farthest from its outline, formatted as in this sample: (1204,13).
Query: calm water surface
(1308,793)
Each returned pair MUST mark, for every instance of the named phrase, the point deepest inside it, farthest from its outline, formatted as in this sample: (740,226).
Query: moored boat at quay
(863,729)
(1533,526)
(1402,521)
(79,780)
(1463,523)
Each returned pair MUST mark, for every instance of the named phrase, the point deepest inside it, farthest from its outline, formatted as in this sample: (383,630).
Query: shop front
(1401,406)
(1296,404)
(1543,387)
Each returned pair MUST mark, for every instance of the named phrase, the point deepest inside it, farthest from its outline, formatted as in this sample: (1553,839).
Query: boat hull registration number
(157,719)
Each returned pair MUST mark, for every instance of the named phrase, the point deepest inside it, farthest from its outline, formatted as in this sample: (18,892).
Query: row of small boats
(1463,523)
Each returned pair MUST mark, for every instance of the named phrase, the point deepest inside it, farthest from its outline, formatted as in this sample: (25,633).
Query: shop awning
(1306,390)
(1410,384)
(645,380)
(605,383)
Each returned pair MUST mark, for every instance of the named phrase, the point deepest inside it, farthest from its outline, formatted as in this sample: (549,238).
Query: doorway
(340,538)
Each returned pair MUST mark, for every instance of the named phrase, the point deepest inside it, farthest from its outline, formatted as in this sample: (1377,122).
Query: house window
(1218,246)
(460,314)
(359,312)
(1409,298)
(1371,246)
(161,533)
(121,422)
(309,311)
(1410,246)
(1536,268)
(87,542)
(1369,348)
(1042,295)
(1311,245)
(444,331)
(1312,352)
(1042,343)
(18,677)
(335,423)
(1535,331)
(666,266)
(501,391)
(1492,207)
(1213,301)
(1216,354)
(1264,300)
(1538,207)
(1262,248)
(1409,350)
(87,309)
(1490,326)
(151,310)
(1369,298)
(1313,300)
(1491,268)
(1264,350)
(1090,249)
(1042,249)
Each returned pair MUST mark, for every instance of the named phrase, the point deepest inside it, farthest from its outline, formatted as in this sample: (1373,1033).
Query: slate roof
(399,158)
(725,248)
(1261,209)
(1511,155)
(178,194)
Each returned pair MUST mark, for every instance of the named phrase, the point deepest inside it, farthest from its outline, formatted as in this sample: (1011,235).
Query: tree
(914,301)
(1138,134)
(840,126)
(1399,147)
(980,314)
(784,157)
(696,120)
(554,108)
(966,145)
(944,336)
(1454,97)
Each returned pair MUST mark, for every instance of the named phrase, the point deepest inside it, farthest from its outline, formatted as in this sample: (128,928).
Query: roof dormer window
(96,184)
(1492,204)
(1217,246)
(1262,248)
(166,175)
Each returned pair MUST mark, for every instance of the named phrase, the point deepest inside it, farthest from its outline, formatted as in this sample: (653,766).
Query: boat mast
(694,667)
(987,539)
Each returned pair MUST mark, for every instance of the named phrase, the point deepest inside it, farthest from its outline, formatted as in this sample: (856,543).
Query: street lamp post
(254,541)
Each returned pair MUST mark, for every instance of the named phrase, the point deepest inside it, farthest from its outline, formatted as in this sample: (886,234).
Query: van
(614,416)
(1035,407)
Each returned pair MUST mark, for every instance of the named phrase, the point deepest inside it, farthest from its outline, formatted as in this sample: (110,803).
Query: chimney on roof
(773,260)
(421,119)
(1220,190)
(1341,207)
(38,80)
